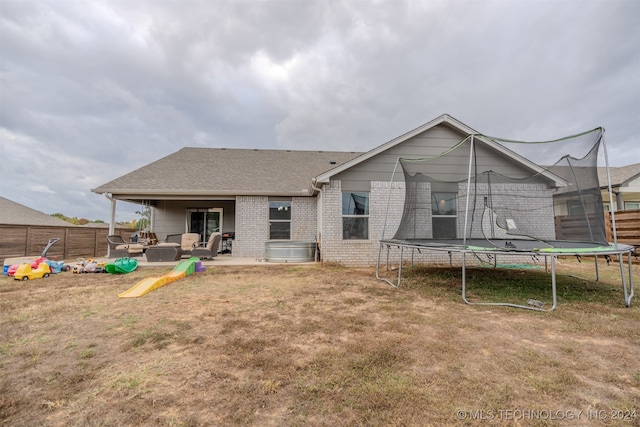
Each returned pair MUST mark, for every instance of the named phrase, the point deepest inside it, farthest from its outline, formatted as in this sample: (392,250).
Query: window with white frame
(630,206)
(444,215)
(279,219)
(355,215)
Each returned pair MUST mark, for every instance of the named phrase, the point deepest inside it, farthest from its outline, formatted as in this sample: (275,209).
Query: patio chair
(210,248)
(119,248)
(187,241)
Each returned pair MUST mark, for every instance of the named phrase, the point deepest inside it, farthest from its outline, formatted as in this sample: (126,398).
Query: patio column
(619,201)
(112,221)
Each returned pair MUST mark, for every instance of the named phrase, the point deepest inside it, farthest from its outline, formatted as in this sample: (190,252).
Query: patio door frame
(205,233)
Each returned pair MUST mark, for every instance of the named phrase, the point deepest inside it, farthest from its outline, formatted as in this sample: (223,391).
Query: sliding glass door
(204,222)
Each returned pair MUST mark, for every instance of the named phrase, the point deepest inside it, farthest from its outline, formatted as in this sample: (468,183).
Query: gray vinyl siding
(380,167)
(430,143)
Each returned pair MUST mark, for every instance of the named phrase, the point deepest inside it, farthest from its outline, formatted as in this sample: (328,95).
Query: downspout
(314,181)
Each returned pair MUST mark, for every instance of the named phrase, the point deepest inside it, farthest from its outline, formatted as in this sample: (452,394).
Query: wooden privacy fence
(627,227)
(75,242)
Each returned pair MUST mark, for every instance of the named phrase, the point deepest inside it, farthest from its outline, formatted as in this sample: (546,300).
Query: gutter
(314,181)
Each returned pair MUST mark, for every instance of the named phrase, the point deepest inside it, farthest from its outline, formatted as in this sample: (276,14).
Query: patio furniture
(227,241)
(119,248)
(187,241)
(163,252)
(210,248)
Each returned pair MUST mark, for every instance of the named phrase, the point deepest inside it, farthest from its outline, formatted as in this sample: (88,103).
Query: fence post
(27,243)
(607,227)
(65,249)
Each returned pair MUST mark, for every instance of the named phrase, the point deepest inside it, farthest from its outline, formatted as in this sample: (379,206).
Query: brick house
(338,199)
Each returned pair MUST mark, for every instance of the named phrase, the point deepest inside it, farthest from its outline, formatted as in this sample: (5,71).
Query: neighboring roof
(96,225)
(192,172)
(619,175)
(450,121)
(13,213)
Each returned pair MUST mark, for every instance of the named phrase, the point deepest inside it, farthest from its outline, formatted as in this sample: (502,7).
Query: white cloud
(92,90)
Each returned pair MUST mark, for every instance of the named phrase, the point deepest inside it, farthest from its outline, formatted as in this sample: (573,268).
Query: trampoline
(548,250)
(482,197)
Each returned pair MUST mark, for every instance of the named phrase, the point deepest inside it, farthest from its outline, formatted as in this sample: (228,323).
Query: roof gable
(456,126)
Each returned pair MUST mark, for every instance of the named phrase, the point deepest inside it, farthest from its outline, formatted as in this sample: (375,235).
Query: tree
(145,218)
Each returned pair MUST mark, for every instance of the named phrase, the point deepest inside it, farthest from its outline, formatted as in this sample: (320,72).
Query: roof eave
(185,195)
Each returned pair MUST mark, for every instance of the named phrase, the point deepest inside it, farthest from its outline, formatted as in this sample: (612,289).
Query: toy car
(25,272)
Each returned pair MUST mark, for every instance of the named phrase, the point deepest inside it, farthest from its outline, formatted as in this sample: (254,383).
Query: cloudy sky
(91,90)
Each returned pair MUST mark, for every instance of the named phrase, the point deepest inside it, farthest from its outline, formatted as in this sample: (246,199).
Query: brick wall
(252,223)
(359,252)
(252,226)
(304,217)
(365,252)
(532,206)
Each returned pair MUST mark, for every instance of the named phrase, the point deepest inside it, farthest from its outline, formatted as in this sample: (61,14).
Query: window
(443,204)
(204,222)
(629,206)
(444,214)
(355,215)
(575,207)
(279,220)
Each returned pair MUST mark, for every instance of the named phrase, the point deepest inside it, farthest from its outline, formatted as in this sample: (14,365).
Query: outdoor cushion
(189,241)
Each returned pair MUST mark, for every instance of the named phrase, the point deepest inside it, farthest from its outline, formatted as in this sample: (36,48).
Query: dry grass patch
(312,345)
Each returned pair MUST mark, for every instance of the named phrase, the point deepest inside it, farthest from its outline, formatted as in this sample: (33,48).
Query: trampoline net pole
(611,208)
(466,209)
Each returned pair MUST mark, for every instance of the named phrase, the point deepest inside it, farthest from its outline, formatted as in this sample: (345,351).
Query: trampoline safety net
(494,189)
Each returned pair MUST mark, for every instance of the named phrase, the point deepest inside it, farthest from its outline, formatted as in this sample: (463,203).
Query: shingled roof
(222,171)
(13,213)
(619,175)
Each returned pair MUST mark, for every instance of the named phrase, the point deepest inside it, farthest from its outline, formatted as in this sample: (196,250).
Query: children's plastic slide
(121,266)
(143,287)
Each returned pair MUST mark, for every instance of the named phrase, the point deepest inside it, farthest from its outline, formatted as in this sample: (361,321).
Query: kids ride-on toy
(25,272)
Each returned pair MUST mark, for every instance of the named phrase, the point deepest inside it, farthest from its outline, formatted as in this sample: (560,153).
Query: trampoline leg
(400,266)
(597,269)
(464,279)
(388,249)
(628,293)
(553,283)
(508,304)
(378,268)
